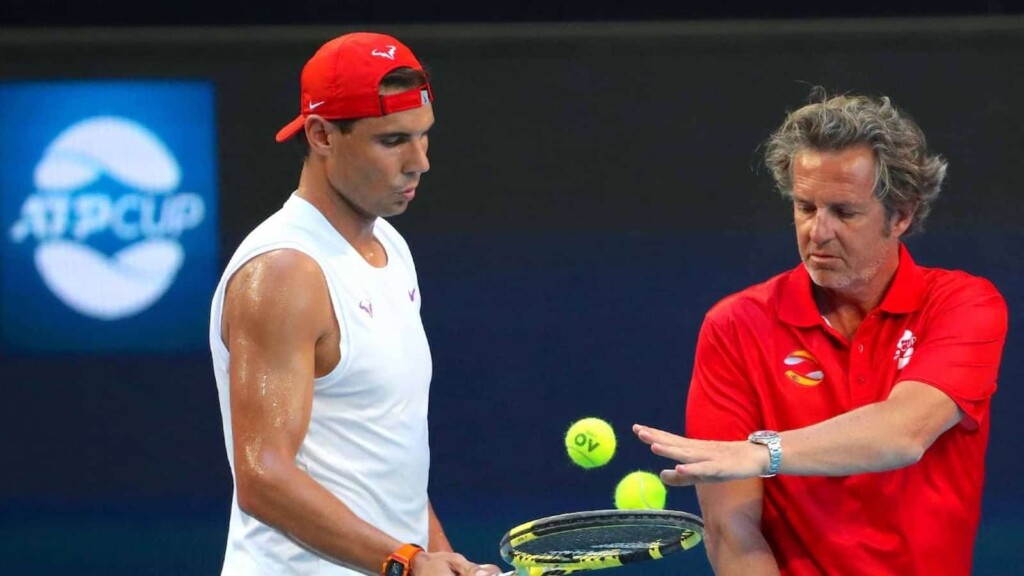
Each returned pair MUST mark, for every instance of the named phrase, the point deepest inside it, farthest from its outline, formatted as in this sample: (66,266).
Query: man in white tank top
(323,369)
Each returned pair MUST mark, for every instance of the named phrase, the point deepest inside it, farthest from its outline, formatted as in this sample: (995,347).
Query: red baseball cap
(342,80)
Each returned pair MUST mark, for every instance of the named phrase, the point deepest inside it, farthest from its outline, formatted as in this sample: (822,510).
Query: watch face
(395,568)
(763,435)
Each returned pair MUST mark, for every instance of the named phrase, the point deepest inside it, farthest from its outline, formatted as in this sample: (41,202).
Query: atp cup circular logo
(106,216)
(803,368)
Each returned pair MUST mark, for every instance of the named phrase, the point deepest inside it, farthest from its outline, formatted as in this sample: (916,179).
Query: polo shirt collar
(905,295)
(907,291)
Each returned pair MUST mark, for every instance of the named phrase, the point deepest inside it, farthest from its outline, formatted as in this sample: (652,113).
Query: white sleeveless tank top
(367,440)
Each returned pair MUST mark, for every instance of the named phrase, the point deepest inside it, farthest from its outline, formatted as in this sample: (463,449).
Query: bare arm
(732,528)
(438,539)
(882,436)
(878,437)
(277,309)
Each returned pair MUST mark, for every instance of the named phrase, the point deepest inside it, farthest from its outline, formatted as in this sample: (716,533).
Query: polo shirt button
(860,379)
(860,348)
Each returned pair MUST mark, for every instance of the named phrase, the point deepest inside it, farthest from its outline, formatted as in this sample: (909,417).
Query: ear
(317,134)
(902,220)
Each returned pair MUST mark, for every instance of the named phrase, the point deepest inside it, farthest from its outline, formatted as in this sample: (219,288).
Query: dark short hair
(908,177)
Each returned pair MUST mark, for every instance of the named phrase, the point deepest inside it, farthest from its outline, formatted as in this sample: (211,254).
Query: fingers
(685,451)
(443,564)
(670,446)
(689,475)
(700,460)
(674,477)
(653,436)
(706,472)
(673,452)
(650,435)
(466,568)
(461,566)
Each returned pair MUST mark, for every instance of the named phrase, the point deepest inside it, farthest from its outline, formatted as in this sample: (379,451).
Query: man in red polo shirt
(860,378)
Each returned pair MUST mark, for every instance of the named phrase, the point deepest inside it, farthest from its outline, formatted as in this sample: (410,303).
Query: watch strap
(403,557)
(771,440)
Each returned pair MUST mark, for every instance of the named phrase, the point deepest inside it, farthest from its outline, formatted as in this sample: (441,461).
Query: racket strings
(600,541)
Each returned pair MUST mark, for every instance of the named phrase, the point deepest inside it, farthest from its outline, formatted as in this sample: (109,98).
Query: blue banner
(109,214)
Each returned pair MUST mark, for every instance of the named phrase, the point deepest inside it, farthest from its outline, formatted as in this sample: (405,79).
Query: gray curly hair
(908,178)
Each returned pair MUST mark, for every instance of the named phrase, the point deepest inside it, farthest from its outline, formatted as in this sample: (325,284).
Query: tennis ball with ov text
(590,442)
(640,490)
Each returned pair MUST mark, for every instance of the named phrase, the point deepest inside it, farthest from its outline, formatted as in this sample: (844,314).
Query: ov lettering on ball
(590,442)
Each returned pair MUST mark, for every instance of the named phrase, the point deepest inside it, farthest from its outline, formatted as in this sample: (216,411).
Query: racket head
(597,539)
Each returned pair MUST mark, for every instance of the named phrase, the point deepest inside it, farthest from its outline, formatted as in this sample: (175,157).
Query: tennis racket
(597,539)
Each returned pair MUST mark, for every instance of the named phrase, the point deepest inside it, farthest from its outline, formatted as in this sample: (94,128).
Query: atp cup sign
(112,220)
(146,216)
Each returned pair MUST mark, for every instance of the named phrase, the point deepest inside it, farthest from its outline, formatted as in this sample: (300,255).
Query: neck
(354,227)
(846,308)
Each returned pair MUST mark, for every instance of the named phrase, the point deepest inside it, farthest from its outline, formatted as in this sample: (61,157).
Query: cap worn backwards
(342,80)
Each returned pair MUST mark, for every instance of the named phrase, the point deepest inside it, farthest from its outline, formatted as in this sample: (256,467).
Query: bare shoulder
(282,290)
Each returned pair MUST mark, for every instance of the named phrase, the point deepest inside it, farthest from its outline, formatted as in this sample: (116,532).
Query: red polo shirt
(766,359)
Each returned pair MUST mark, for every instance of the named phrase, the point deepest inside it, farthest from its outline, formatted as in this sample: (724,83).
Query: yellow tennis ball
(590,442)
(640,490)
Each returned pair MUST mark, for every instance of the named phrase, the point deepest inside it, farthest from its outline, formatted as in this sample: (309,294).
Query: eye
(393,140)
(804,208)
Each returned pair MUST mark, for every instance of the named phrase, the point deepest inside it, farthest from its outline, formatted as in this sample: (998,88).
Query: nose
(821,227)
(417,162)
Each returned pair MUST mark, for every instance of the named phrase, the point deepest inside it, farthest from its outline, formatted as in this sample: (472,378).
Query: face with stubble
(844,237)
(376,167)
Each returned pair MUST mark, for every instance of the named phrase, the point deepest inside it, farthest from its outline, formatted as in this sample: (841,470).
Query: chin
(393,211)
(830,280)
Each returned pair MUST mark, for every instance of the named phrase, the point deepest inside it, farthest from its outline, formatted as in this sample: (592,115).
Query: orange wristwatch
(400,561)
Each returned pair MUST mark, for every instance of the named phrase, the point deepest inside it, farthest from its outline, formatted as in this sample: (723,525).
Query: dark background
(305,12)
(595,187)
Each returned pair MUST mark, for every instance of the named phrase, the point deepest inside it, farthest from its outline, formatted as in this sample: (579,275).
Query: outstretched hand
(704,460)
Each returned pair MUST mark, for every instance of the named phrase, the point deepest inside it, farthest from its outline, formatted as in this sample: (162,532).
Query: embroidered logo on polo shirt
(803,368)
(905,349)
